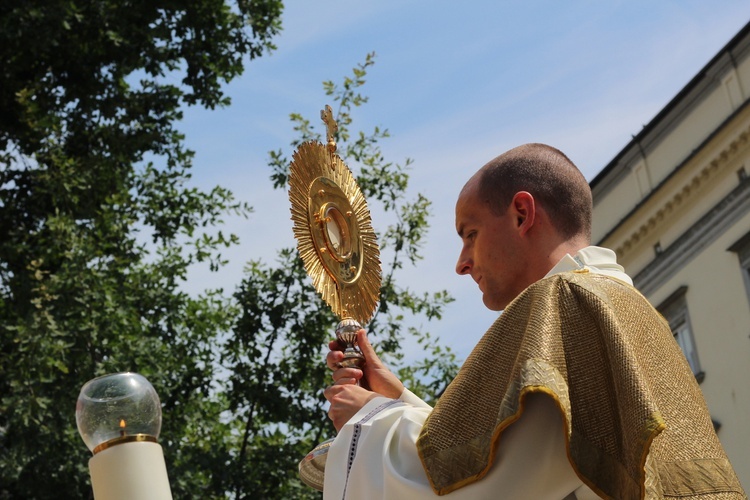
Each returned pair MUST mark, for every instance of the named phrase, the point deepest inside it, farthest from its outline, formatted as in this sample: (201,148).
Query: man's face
(490,252)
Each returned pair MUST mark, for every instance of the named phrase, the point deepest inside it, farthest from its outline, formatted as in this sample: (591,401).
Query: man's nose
(463,266)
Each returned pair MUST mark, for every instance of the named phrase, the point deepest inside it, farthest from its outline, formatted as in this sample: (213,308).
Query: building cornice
(693,241)
(684,194)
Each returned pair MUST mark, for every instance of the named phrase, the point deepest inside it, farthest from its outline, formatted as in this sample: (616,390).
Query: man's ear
(524,210)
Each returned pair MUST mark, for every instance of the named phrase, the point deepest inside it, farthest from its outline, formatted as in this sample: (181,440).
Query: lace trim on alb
(358,431)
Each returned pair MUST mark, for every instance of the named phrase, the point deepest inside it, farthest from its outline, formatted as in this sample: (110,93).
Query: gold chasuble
(635,420)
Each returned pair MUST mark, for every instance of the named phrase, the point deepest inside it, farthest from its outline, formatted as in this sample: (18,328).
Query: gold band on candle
(124,439)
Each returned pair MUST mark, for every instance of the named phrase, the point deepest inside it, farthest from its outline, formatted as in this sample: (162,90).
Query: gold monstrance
(339,250)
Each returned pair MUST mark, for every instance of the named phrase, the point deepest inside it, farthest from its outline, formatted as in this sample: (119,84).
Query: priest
(578,390)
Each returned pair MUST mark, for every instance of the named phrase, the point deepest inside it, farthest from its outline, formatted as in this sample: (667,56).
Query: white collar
(594,259)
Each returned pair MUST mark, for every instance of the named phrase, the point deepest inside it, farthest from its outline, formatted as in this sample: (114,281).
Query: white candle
(130,471)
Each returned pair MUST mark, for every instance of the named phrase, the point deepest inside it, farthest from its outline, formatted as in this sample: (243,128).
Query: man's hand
(346,400)
(375,377)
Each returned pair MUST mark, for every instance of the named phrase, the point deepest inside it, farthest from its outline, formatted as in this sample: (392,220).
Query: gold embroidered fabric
(636,422)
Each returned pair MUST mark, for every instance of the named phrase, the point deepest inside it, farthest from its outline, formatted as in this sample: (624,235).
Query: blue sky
(456,83)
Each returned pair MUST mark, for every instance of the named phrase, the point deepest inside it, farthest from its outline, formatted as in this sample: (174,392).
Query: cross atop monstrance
(331,127)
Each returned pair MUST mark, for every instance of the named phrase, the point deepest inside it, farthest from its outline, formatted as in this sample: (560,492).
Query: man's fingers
(346,381)
(364,345)
(333,358)
(331,391)
(346,373)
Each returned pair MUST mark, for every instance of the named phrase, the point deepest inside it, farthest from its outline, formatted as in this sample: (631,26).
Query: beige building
(675,206)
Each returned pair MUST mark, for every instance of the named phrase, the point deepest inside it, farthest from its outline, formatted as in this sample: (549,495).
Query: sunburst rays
(349,283)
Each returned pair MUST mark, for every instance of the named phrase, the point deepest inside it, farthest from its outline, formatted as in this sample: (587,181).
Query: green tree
(98,223)
(276,352)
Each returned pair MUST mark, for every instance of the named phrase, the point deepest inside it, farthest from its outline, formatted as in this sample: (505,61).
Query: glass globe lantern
(117,408)
(119,419)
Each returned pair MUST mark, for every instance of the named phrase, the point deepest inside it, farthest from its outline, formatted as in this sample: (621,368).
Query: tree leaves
(96,243)
(100,223)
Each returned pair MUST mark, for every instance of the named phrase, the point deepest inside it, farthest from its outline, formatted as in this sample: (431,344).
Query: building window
(742,249)
(742,174)
(675,311)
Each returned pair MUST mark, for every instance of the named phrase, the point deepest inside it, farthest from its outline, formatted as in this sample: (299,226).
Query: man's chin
(491,304)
